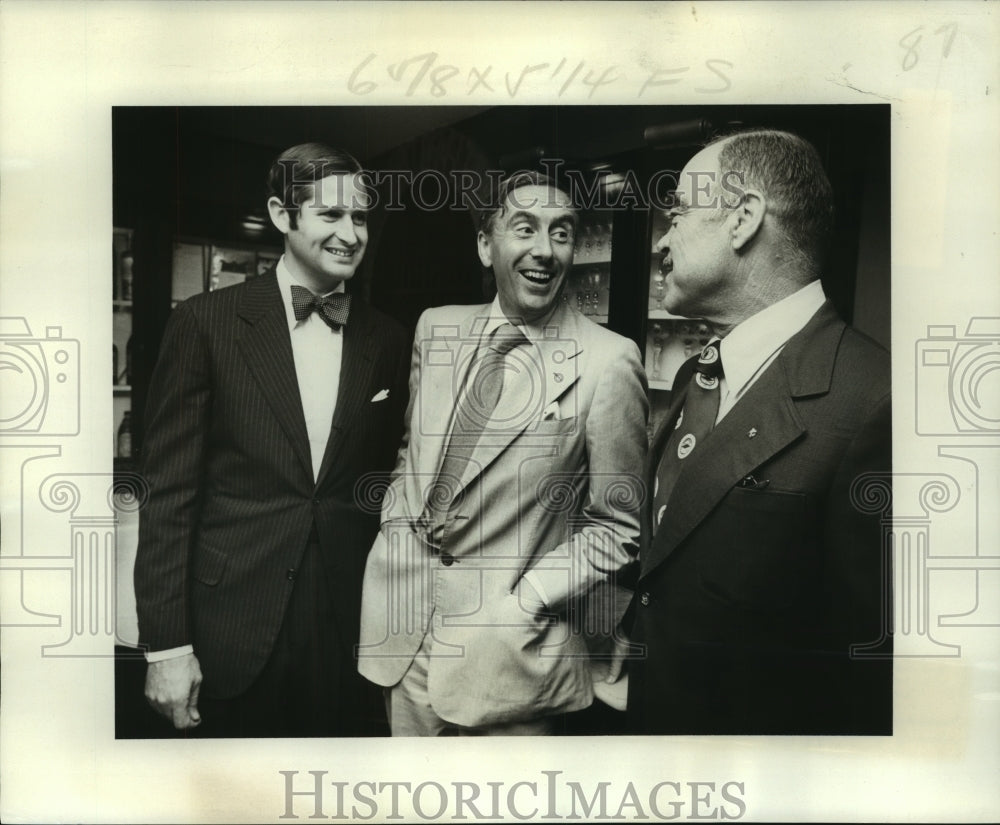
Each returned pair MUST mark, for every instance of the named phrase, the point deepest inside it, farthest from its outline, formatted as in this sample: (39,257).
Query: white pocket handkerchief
(381,395)
(551,412)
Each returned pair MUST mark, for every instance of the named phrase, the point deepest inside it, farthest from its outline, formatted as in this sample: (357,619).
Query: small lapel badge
(752,433)
(706,382)
(558,376)
(381,395)
(686,445)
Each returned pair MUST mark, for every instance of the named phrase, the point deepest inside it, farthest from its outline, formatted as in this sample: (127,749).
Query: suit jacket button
(290,574)
(447,559)
(316,502)
(644,599)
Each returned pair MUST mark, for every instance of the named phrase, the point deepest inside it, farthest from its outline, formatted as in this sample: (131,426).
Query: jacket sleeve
(857,593)
(393,506)
(178,421)
(606,537)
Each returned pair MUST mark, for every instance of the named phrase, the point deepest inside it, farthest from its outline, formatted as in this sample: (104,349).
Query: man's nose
(663,244)
(345,230)
(542,247)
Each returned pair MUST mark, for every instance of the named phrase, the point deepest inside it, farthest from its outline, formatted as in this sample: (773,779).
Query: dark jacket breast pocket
(209,565)
(759,552)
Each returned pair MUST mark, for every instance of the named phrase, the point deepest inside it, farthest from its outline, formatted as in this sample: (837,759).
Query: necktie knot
(505,338)
(333,309)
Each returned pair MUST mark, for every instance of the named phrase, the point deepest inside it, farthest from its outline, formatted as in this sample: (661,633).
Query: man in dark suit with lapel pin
(762,591)
(271,404)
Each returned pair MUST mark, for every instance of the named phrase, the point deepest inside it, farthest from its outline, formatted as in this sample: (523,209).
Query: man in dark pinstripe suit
(266,410)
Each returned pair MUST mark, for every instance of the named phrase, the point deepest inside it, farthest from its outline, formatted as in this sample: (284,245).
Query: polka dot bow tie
(333,309)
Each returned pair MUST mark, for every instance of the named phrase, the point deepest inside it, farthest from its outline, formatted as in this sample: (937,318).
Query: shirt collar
(533,332)
(285,281)
(750,344)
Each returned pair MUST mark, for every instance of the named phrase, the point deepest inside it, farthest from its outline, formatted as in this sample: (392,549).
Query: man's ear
(485,249)
(747,218)
(279,215)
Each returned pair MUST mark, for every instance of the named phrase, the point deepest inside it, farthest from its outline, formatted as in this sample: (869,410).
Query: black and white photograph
(775,609)
(618,380)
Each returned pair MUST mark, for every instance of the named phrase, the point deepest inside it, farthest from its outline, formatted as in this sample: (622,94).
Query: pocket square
(381,395)
(551,412)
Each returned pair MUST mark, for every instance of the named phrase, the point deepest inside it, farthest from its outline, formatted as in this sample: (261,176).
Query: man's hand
(172,687)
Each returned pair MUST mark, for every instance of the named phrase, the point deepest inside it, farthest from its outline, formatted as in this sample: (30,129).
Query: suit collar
(809,357)
(260,298)
(748,349)
(357,365)
(267,348)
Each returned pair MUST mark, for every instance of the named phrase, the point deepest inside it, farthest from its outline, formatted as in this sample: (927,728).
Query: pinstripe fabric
(233,500)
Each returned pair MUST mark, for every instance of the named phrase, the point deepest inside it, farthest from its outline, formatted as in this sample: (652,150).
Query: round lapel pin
(686,445)
(706,382)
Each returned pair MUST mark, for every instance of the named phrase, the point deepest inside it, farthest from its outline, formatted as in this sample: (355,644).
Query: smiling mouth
(339,253)
(538,276)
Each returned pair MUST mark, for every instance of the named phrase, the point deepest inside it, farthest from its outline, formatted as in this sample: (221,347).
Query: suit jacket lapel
(357,363)
(544,373)
(267,348)
(446,359)
(730,453)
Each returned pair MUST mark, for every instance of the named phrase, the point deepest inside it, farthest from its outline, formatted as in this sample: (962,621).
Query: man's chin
(334,279)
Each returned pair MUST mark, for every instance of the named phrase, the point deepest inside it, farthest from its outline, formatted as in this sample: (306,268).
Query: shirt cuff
(536,582)
(170,653)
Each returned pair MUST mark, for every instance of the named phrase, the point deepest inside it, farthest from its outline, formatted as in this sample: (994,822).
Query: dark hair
(296,170)
(787,169)
(488,217)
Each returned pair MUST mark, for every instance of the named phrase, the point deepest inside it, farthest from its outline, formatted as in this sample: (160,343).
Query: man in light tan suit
(515,500)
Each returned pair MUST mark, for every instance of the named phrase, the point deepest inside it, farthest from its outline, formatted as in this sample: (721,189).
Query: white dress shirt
(318,351)
(751,347)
